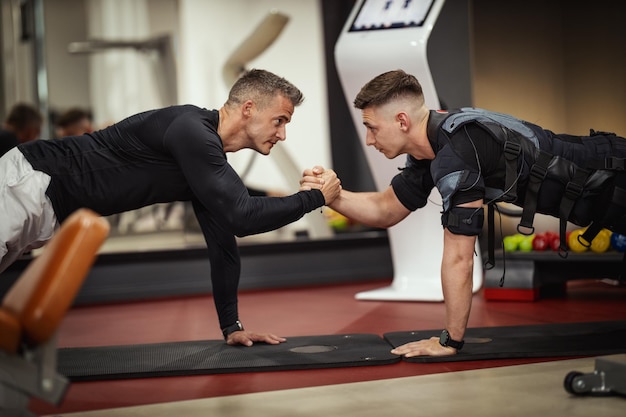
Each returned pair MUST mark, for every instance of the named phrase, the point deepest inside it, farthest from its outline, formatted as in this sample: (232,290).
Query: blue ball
(618,242)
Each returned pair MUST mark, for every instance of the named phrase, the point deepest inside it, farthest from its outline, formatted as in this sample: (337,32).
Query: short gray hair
(261,86)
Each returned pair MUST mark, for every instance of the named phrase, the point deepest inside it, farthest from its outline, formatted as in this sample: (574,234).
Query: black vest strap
(491,256)
(432,128)
(512,151)
(611,163)
(573,190)
(622,276)
(491,262)
(538,173)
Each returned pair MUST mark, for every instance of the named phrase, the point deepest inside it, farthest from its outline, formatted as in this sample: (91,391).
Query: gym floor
(300,311)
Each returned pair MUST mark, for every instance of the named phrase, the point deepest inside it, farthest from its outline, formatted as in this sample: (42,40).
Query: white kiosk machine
(379,36)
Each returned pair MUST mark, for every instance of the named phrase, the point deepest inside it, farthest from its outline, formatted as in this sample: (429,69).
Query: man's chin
(386,155)
(263,151)
(268,149)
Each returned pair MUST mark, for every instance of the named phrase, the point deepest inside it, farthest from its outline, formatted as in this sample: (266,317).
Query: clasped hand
(325,180)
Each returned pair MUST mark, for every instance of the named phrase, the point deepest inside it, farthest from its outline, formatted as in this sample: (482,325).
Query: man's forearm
(370,208)
(357,206)
(457,281)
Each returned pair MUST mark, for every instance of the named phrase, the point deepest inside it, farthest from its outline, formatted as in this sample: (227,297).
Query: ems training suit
(166,155)
(496,157)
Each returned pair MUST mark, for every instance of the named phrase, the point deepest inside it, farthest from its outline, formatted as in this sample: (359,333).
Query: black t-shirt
(475,152)
(165,155)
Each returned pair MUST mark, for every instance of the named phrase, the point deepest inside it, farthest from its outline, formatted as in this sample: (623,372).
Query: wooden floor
(297,312)
(534,389)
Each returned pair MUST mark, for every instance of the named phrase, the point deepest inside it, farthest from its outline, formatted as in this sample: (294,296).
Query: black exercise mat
(534,341)
(216,357)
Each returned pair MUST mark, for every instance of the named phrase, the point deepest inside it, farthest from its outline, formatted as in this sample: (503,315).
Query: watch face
(443,339)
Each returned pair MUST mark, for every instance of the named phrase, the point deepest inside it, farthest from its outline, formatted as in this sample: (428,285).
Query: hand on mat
(325,180)
(247,338)
(425,347)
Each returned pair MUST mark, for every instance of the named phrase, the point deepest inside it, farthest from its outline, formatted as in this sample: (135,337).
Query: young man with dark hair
(477,157)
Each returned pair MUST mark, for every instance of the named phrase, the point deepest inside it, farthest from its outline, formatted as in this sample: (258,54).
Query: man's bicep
(395,209)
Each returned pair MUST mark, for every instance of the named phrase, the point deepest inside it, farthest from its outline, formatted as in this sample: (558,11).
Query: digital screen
(391,14)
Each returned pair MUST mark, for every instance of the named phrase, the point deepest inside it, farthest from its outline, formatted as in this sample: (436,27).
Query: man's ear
(403,120)
(246,108)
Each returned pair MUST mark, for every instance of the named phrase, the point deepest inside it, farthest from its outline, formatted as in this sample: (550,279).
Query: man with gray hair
(173,154)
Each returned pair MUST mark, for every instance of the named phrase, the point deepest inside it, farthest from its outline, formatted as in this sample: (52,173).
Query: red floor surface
(297,312)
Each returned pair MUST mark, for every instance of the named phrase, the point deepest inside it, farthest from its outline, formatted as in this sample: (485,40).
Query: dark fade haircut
(24,116)
(386,87)
(261,86)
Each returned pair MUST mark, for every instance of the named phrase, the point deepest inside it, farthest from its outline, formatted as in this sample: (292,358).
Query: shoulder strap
(434,122)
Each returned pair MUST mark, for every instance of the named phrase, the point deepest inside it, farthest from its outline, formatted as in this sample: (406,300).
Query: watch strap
(446,341)
(237,326)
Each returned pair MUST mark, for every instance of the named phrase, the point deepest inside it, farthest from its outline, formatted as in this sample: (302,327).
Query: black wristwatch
(445,340)
(232,329)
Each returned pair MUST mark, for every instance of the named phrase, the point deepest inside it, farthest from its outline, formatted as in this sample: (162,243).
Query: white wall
(211,29)
(566,74)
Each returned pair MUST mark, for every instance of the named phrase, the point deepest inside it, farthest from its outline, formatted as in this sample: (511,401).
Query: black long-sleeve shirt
(165,155)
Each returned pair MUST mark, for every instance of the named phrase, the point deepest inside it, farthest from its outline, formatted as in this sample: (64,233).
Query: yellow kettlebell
(573,242)
(601,242)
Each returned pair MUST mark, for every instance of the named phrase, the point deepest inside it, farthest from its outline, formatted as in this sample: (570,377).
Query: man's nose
(281,134)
